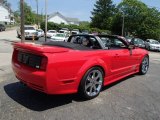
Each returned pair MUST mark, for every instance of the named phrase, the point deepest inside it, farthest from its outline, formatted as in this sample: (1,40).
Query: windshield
(75,30)
(29,28)
(59,35)
(61,31)
(138,41)
(64,29)
(154,42)
(52,31)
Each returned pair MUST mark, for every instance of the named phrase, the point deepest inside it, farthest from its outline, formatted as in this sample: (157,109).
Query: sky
(80,9)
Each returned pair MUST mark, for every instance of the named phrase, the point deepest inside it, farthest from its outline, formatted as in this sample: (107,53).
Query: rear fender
(89,64)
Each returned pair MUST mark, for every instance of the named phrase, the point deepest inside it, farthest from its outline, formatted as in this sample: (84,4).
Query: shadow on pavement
(38,101)
(35,100)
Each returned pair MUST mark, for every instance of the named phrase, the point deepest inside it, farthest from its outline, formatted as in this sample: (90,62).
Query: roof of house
(7,8)
(68,19)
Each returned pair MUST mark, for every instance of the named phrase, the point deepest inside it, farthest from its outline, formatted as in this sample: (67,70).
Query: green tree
(102,14)
(17,16)
(140,20)
(29,15)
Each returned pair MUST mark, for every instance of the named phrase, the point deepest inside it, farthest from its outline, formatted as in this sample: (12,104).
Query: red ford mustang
(85,63)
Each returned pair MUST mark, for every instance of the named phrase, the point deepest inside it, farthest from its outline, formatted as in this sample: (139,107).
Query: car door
(121,62)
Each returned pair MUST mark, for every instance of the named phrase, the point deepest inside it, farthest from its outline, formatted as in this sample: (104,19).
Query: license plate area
(29,59)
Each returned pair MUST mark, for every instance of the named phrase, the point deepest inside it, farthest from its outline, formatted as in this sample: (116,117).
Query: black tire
(148,48)
(36,38)
(144,66)
(18,35)
(92,81)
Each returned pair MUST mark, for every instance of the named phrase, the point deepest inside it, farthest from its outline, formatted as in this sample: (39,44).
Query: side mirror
(131,47)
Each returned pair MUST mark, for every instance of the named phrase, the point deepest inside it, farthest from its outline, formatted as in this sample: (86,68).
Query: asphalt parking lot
(133,98)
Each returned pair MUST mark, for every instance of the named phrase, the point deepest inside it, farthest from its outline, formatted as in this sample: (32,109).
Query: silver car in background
(29,32)
(138,42)
(152,44)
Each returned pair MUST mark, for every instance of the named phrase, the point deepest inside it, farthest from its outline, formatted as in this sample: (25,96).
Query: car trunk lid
(33,55)
(37,48)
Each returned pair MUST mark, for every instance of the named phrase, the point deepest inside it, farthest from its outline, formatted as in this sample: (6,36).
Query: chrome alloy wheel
(93,83)
(145,65)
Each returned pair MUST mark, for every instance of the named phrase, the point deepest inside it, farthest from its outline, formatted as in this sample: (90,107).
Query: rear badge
(37,66)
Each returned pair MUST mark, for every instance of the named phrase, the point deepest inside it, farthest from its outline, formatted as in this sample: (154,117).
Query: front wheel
(37,38)
(144,65)
(91,83)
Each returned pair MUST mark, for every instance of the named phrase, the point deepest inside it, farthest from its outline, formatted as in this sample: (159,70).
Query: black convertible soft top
(67,45)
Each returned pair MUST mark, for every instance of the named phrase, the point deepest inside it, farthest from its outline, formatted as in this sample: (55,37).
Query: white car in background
(64,30)
(40,32)
(29,32)
(152,44)
(51,33)
(60,37)
(75,31)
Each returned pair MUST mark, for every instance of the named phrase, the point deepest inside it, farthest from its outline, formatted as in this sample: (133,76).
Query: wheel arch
(90,64)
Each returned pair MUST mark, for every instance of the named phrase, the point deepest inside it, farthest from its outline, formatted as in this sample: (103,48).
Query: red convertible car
(84,64)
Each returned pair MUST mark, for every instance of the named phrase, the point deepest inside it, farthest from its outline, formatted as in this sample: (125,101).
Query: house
(60,19)
(6,15)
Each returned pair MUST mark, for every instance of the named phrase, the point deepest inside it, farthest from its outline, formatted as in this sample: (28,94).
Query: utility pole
(37,14)
(123,25)
(22,20)
(46,19)
(42,18)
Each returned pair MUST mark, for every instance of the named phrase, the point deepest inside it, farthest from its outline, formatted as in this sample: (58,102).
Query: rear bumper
(28,36)
(29,76)
(38,80)
(155,48)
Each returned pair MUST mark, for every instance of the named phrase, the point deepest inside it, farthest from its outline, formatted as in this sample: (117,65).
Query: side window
(94,43)
(87,41)
(106,41)
(76,40)
(117,44)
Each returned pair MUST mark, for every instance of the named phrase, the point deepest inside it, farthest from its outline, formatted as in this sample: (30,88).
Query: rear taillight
(44,63)
(14,55)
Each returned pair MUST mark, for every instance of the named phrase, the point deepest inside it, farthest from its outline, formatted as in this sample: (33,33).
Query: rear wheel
(144,65)
(91,83)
